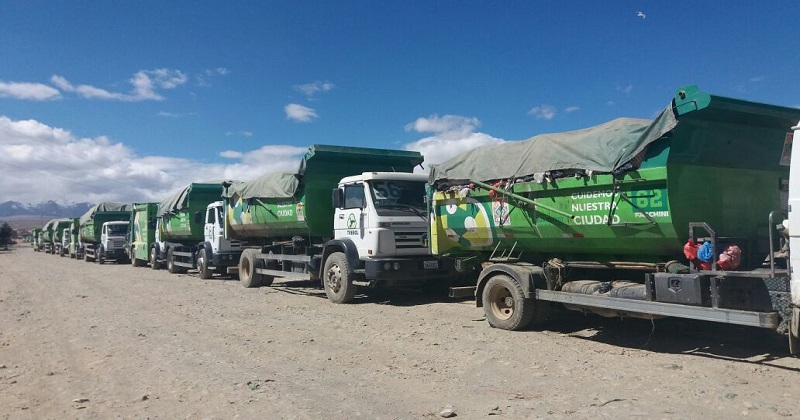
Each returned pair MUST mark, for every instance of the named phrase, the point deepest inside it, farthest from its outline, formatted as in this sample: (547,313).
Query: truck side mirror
(198,217)
(337,198)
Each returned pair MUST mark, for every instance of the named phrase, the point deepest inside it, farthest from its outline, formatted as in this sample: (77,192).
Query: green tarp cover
(270,185)
(601,148)
(178,201)
(103,207)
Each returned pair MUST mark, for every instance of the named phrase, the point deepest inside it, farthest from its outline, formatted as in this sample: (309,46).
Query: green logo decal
(351,221)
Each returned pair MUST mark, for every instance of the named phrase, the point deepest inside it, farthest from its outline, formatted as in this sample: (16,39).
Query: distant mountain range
(47,210)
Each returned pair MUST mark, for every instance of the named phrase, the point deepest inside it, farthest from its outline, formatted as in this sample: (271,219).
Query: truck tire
(794,332)
(61,252)
(86,257)
(171,267)
(154,264)
(100,255)
(337,282)
(247,269)
(202,265)
(505,305)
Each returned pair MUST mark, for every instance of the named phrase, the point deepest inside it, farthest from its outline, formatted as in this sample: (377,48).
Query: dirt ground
(81,340)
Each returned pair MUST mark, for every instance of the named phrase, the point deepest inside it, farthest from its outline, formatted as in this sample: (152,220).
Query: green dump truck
(74,237)
(52,233)
(347,217)
(670,217)
(36,237)
(143,233)
(179,226)
(67,238)
(102,231)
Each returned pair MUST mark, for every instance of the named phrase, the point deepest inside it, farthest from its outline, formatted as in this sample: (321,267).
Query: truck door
(209,232)
(349,220)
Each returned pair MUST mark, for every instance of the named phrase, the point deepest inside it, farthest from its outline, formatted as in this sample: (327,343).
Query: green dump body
(725,163)
(143,233)
(91,222)
(177,213)
(299,204)
(35,237)
(74,229)
(54,229)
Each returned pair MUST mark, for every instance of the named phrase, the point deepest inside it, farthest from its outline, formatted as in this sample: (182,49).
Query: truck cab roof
(397,176)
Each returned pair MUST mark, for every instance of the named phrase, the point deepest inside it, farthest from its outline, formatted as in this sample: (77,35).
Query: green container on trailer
(143,233)
(287,204)
(178,212)
(623,191)
(91,222)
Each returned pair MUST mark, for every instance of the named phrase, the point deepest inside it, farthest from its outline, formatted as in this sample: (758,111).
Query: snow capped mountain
(49,209)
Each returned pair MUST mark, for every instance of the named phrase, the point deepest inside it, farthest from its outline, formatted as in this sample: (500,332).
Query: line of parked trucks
(687,215)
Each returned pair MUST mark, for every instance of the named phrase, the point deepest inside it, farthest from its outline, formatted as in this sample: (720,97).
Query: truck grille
(411,240)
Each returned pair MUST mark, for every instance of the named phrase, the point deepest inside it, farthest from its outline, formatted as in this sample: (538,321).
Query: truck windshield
(392,197)
(117,229)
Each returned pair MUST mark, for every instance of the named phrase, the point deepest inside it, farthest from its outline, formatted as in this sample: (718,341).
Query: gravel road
(82,340)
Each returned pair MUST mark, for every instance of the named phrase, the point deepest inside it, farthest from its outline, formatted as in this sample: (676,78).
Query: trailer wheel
(171,267)
(154,264)
(338,285)
(505,305)
(248,263)
(202,265)
(794,332)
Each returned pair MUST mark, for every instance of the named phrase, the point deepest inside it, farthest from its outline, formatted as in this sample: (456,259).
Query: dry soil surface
(82,340)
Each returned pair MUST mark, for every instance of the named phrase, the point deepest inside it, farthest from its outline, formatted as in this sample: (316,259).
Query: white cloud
(300,113)
(310,89)
(625,89)
(204,79)
(145,85)
(453,135)
(32,91)
(543,112)
(39,163)
(571,109)
(243,133)
(611,103)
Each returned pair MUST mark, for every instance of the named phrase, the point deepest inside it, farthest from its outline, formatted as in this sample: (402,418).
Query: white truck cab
(384,214)
(113,240)
(217,252)
(64,246)
(794,243)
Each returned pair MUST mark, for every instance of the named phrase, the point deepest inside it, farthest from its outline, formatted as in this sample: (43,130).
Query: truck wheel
(86,257)
(794,332)
(202,265)
(247,269)
(505,305)
(338,285)
(154,264)
(100,255)
(171,267)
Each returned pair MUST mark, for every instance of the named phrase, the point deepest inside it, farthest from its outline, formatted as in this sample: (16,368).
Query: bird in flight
(641,15)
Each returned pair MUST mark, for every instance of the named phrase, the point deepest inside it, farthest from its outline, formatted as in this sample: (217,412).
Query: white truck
(113,241)
(369,229)
(794,243)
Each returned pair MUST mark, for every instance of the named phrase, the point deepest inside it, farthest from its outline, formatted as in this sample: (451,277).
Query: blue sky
(128,101)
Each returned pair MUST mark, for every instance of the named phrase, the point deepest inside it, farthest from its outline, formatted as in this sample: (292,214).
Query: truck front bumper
(409,270)
(226,259)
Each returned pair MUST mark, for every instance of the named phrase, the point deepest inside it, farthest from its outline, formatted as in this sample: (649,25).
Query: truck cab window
(354,196)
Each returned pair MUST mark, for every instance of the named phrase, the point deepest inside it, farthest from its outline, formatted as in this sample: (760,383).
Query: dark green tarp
(178,201)
(602,148)
(104,207)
